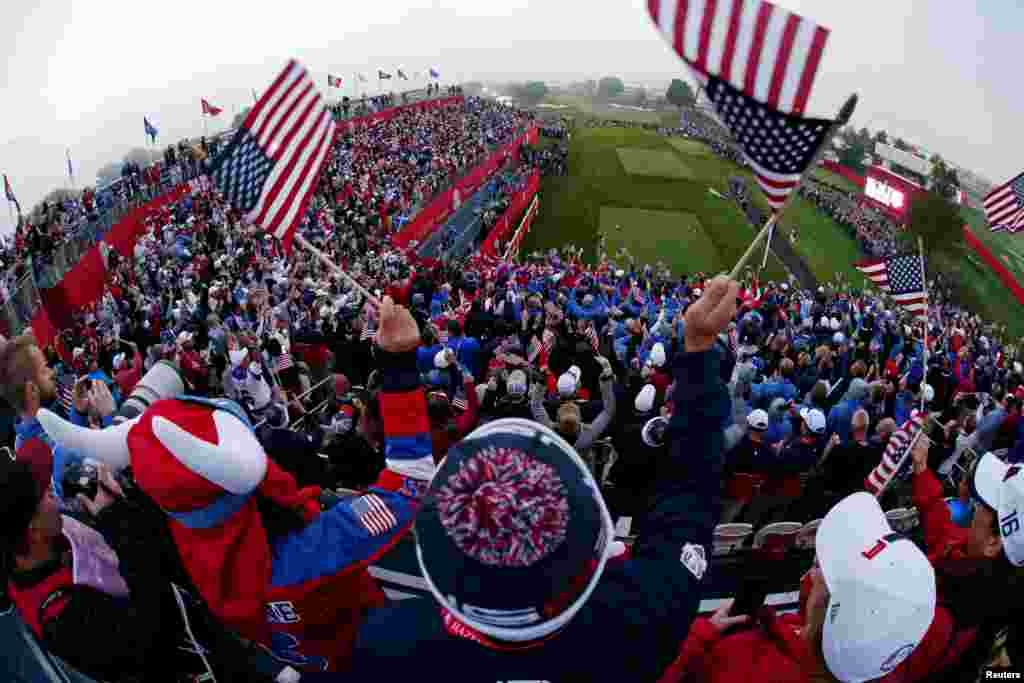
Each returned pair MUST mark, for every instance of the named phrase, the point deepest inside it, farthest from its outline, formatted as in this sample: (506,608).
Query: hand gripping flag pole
(331,265)
(844,117)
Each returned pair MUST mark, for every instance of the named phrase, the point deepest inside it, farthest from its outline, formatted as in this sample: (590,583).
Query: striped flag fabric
(591,335)
(271,167)
(763,51)
(374,514)
(1004,206)
(209,109)
(896,457)
(65,396)
(283,362)
(367,333)
(757,63)
(903,278)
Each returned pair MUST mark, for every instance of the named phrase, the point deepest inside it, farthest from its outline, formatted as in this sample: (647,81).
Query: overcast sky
(82,75)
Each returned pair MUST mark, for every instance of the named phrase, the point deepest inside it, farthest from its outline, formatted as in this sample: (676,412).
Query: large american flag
(271,167)
(1004,206)
(903,278)
(765,52)
(896,456)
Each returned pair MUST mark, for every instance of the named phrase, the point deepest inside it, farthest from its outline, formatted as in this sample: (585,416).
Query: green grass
(658,163)
(690,147)
(835,179)
(654,236)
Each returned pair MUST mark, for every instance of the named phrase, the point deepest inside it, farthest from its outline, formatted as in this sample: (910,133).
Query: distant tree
(937,222)
(680,93)
(58,195)
(591,87)
(882,136)
(141,156)
(473,88)
(852,155)
(944,181)
(534,91)
(239,117)
(609,87)
(640,98)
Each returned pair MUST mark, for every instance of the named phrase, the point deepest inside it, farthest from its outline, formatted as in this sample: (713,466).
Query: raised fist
(710,314)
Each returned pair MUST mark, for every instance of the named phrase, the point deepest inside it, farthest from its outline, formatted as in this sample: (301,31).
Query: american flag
(333,81)
(779,147)
(591,335)
(373,514)
(1004,206)
(459,402)
(65,396)
(896,456)
(283,362)
(903,278)
(758,63)
(271,167)
(209,109)
(367,333)
(763,51)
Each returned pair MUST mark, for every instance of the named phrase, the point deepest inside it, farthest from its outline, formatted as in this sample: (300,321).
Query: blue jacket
(631,627)
(840,417)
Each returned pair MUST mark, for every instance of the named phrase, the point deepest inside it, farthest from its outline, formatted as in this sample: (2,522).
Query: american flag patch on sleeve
(373,514)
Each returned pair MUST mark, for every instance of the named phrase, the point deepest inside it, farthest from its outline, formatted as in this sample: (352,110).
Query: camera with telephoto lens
(164,380)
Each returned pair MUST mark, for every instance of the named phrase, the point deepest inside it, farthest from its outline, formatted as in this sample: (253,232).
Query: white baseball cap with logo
(814,418)
(882,591)
(1001,487)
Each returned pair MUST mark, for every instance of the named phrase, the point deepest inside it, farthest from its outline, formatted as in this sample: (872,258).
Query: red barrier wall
(504,226)
(847,173)
(437,212)
(388,114)
(1007,278)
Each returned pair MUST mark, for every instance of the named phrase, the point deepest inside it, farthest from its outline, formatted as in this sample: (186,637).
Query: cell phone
(749,599)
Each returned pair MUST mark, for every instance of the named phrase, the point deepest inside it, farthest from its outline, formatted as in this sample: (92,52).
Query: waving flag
(1004,206)
(383,75)
(767,53)
(271,166)
(333,81)
(435,72)
(151,131)
(9,192)
(209,109)
(401,74)
(71,168)
(757,63)
(903,278)
(283,362)
(896,457)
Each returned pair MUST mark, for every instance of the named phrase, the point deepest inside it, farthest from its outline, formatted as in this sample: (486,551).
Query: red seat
(786,487)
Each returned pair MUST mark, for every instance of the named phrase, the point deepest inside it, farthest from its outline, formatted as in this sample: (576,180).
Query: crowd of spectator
(512,412)
(876,233)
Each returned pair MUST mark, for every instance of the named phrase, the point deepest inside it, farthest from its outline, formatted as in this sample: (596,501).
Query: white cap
(814,418)
(697,292)
(441,360)
(118,361)
(881,586)
(834,324)
(838,338)
(657,356)
(758,420)
(823,322)
(928,392)
(645,399)
(566,385)
(79,351)
(575,372)
(1001,487)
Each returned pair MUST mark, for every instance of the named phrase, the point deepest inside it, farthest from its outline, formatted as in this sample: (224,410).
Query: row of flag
(1004,206)
(334,81)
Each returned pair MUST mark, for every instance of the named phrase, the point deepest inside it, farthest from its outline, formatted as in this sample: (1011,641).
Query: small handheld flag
(209,109)
(896,456)
(151,131)
(271,167)
(903,278)
(1004,206)
(333,81)
(9,192)
(383,75)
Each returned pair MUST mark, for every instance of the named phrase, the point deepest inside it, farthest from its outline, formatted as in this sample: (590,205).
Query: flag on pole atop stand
(209,109)
(401,74)
(896,456)
(757,63)
(1004,206)
(362,77)
(271,166)
(151,131)
(9,191)
(435,72)
(71,169)
(383,75)
(903,278)
(333,81)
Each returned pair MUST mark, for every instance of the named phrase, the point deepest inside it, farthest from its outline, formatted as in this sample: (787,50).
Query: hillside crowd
(513,413)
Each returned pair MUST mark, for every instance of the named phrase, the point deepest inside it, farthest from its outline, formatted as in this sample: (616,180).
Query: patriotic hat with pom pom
(513,535)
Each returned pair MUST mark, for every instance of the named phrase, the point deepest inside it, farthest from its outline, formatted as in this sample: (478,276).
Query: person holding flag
(151,131)
(9,193)
(333,81)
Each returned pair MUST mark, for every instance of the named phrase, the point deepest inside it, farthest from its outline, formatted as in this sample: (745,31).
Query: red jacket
(775,652)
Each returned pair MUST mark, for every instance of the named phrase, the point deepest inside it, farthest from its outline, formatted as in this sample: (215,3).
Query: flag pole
(844,117)
(324,259)
(924,288)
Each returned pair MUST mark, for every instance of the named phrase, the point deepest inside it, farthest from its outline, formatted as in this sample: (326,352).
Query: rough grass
(657,163)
